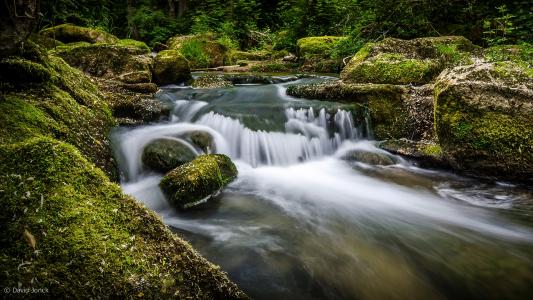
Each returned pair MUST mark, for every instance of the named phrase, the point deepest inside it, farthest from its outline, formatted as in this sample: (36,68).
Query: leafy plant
(498,29)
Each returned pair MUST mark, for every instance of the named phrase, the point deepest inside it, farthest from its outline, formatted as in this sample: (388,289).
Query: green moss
(431,149)
(416,61)
(493,139)
(170,67)
(192,183)
(320,46)
(514,53)
(395,69)
(126,61)
(202,51)
(19,72)
(135,44)
(256,55)
(68,33)
(90,239)
(163,155)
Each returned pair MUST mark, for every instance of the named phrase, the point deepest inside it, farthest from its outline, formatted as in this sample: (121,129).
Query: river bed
(301,222)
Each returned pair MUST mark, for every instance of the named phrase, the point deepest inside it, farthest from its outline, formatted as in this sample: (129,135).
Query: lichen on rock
(483,118)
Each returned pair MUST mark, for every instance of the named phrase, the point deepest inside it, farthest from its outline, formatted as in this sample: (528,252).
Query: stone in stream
(198,181)
(202,140)
(370,158)
(163,155)
(484,118)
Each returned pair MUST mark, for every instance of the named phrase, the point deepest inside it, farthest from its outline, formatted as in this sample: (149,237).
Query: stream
(301,222)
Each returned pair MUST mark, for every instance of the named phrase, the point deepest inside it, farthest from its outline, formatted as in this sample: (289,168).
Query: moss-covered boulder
(211,81)
(197,181)
(67,228)
(483,118)
(163,155)
(170,67)
(18,71)
(317,46)
(69,33)
(133,103)
(129,62)
(201,50)
(63,103)
(417,61)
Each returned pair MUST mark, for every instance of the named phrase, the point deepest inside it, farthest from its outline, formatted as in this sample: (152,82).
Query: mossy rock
(78,235)
(197,181)
(258,55)
(20,72)
(170,67)
(68,107)
(69,33)
(108,60)
(369,158)
(201,50)
(483,119)
(163,155)
(211,81)
(133,104)
(202,140)
(45,41)
(427,154)
(275,67)
(317,46)
(418,61)
(320,65)
(135,44)
(387,106)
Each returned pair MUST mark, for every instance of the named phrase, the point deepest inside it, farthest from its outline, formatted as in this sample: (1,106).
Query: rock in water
(369,158)
(170,67)
(484,118)
(163,155)
(197,181)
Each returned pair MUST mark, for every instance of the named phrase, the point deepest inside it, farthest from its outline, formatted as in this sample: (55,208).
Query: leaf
(30,239)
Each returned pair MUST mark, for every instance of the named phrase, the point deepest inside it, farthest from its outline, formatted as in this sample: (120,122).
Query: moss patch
(317,46)
(484,121)
(87,238)
(416,61)
(202,50)
(68,33)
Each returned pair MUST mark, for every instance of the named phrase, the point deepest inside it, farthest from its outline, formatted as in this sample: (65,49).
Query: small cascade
(185,111)
(307,136)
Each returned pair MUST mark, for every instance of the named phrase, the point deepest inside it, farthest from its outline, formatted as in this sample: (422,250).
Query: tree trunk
(182,8)
(17,20)
(171,9)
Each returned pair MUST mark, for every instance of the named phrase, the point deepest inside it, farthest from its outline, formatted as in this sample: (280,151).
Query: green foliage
(498,29)
(152,26)
(194,51)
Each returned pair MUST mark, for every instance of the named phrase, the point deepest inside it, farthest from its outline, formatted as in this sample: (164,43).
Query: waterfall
(308,135)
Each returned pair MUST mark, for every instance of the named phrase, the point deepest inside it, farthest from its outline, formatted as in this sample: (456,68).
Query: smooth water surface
(302,223)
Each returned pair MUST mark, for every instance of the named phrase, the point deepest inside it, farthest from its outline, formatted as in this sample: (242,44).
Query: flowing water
(300,222)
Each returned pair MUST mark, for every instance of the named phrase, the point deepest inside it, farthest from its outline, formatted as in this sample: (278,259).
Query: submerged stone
(369,158)
(163,155)
(198,181)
